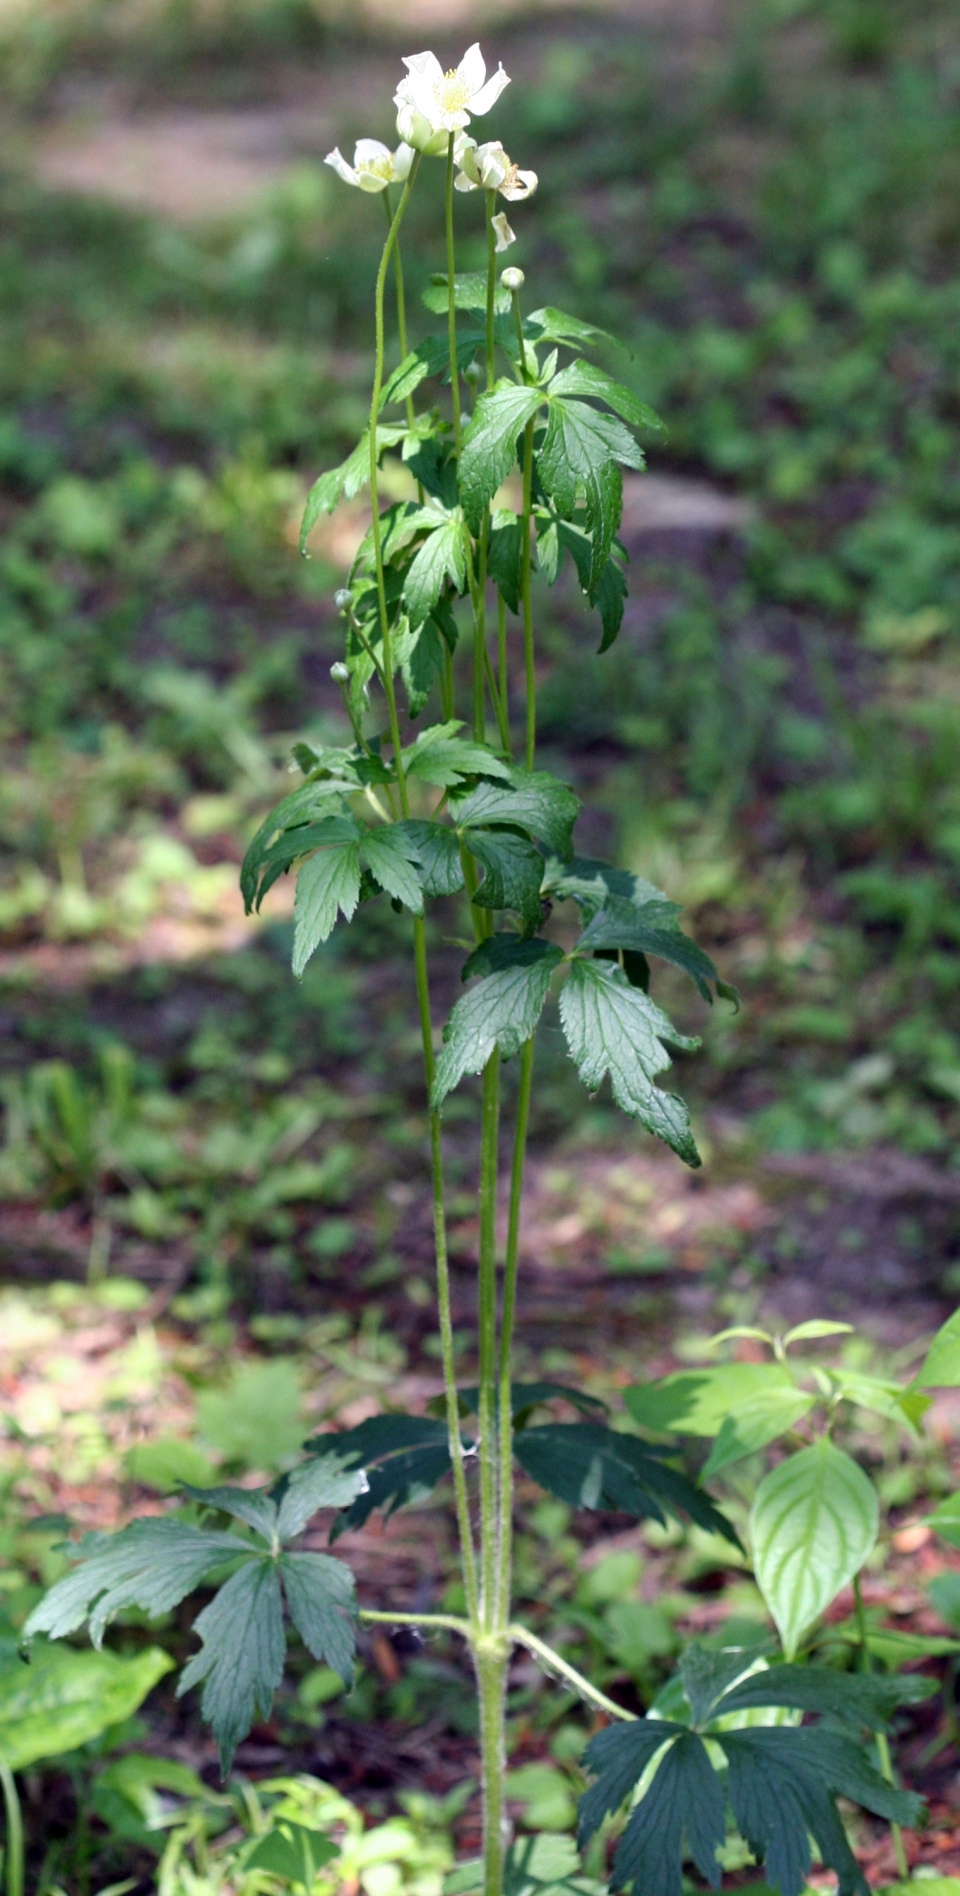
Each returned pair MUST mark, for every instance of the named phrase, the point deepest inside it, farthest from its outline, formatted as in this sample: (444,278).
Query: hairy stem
(552,1662)
(448,1358)
(507,1316)
(491,1670)
(433,1622)
(11,1805)
(374,490)
(452,304)
(487,1324)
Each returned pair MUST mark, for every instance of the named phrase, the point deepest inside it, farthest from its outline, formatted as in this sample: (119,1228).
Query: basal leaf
(501,1011)
(618,1758)
(533,800)
(440,558)
(698,1401)
(755,1424)
(321,1596)
(403,1457)
(254,1506)
(614,1028)
(151,1565)
(590,1466)
(490,444)
(328,884)
(390,854)
(324,1481)
(240,1663)
(813,1523)
(64,1699)
(512,873)
(684,1800)
(584,378)
(855,1699)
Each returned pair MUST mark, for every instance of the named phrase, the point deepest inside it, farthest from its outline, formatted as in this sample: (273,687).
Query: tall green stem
(452,303)
(502,668)
(487,1338)
(374,489)
(401,300)
(11,1805)
(526,515)
(507,1317)
(443,1287)
(491,1670)
(491,198)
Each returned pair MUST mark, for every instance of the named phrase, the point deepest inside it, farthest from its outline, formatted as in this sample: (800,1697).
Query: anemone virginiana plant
(455,810)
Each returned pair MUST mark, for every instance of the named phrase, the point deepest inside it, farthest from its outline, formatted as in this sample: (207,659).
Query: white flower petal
(505,236)
(368,151)
(403,159)
(520,187)
(368,181)
(489,94)
(472,69)
(462,183)
(420,89)
(336,159)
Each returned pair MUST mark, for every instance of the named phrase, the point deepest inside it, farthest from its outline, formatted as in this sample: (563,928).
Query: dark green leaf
(241,1660)
(525,1397)
(854,1698)
(512,873)
(441,757)
(618,1758)
(614,1028)
(589,1466)
(390,854)
(343,482)
(438,853)
(292,1852)
(685,1798)
(708,1673)
(404,1456)
(578,442)
(584,378)
(322,1482)
(442,557)
(589,882)
(620,924)
(294,843)
(608,596)
(430,357)
(603,493)
(328,883)
(509,951)
(150,1565)
(501,1011)
(322,1598)
(534,800)
(310,803)
(419,654)
(490,444)
(504,555)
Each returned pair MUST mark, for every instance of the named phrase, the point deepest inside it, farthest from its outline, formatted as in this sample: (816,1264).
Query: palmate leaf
(418,653)
(469,292)
(533,800)
(504,553)
(430,357)
(525,1397)
(781,1782)
(590,1466)
(328,884)
(584,378)
(609,596)
(154,1563)
(343,482)
(554,325)
(440,558)
(621,924)
(501,1011)
(441,757)
(390,854)
(614,1028)
(438,853)
(403,1456)
(490,444)
(588,882)
(311,803)
(512,874)
(579,441)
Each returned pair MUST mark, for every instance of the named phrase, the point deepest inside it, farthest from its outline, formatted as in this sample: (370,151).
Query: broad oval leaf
(755,1424)
(813,1522)
(941,1367)
(64,1698)
(698,1401)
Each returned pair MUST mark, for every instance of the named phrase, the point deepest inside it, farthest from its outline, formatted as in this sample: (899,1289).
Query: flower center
(452,93)
(378,168)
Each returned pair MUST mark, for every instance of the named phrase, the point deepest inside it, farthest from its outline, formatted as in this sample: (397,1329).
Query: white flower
(490,168)
(505,236)
(432,103)
(374,165)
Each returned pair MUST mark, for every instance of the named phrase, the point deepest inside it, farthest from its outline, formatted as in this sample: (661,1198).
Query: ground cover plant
(783,703)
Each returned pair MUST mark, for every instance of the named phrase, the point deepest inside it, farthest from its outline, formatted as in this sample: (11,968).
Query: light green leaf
(321,1482)
(469,292)
(814,1328)
(698,1401)
(291,1852)
(151,1565)
(441,557)
(328,883)
(241,1660)
(442,758)
(813,1522)
(614,1028)
(343,482)
(881,1398)
(63,1698)
(941,1367)
(490,444)
(579,441)
(755,1424)
(945,1520)
(501,1011)
(391,858)
(584,378)
(554,325)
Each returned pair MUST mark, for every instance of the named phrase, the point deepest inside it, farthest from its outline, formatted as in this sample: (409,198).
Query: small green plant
(529,476)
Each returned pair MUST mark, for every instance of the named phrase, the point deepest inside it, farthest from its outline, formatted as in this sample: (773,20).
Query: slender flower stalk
(507,1319)
(514,279)
(452,300)
(401,303)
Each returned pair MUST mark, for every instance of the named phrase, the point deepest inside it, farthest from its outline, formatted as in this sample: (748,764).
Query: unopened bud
(340,672)
(471,373)
(512,279)
(343,598)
